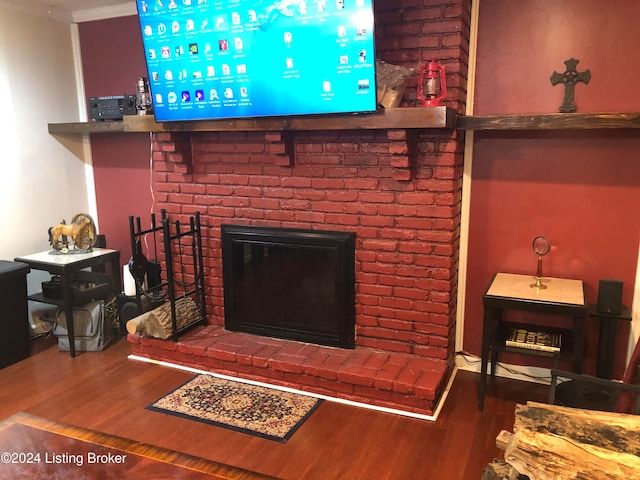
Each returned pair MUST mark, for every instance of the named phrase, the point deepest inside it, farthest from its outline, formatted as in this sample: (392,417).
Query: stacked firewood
(157,323)
(557,443)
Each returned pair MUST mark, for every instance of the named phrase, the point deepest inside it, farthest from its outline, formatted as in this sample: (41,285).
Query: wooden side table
(508,291)
(65,265)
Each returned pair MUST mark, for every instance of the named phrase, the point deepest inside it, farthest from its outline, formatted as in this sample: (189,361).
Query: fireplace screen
(290,283)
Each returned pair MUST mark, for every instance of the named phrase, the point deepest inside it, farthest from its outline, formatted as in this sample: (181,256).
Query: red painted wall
(112,60)
(580,189)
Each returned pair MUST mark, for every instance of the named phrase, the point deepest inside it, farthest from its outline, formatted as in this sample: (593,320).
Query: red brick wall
(410,32)
(407,232)
(398,191)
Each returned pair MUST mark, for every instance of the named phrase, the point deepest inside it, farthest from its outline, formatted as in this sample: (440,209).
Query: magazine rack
(513,292)
(172,276)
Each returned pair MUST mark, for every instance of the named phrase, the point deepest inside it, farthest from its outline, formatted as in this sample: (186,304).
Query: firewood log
(543,456)
(557,443)
(136,324)
(499,470)
(613,431)
(157,322)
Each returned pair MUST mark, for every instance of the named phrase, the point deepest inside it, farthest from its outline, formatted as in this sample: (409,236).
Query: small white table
(65,265)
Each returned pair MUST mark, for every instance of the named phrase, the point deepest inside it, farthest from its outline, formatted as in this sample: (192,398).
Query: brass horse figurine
(81,230)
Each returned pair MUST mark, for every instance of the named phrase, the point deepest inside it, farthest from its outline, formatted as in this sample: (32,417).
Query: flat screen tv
(214,59)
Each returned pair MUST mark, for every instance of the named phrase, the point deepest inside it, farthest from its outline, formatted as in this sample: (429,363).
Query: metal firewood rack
(175,271)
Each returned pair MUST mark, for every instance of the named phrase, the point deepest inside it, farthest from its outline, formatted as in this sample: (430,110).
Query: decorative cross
(570,78)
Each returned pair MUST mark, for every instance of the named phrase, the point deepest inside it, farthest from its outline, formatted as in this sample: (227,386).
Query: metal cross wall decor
(570,77)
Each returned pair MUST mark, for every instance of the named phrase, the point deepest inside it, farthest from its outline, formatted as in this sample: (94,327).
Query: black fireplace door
(290,283)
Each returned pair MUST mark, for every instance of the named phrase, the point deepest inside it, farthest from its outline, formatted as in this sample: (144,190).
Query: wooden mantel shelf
(551,121)
(435,117)
(393,118)
(81,128)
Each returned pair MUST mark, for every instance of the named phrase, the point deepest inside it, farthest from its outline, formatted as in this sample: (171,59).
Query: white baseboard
(465,361)
(394,411)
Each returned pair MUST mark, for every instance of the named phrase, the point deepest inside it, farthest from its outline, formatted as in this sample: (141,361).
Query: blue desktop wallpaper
(211,59)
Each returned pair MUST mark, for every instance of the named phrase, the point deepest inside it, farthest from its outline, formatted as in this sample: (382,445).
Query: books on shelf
(534,340)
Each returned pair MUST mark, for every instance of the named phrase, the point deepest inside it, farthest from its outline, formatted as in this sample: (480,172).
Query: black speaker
(127,309)
(610,297)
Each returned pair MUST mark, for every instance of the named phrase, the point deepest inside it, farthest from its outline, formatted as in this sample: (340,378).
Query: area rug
(253,409)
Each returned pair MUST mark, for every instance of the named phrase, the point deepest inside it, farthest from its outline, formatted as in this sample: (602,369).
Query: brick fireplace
(398,191)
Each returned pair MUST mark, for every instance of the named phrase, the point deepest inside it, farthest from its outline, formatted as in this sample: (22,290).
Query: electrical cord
(466,357)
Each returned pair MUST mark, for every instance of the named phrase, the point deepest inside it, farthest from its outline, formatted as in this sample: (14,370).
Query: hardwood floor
(43,449)
(107,392)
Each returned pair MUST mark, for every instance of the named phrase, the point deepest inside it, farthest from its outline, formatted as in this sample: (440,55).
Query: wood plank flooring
(42,449)
(107,392)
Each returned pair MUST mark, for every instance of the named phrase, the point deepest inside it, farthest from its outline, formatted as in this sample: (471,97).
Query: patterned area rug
(257,410)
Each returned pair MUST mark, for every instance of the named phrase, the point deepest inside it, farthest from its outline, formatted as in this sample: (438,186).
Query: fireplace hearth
(290,283)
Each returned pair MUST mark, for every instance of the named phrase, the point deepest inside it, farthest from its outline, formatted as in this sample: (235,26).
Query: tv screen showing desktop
(214,59)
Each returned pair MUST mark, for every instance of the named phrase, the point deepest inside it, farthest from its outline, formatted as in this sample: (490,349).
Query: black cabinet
(14,321)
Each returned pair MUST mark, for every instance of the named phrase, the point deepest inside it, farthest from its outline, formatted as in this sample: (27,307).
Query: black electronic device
(127,309)
(111,107)
(610,296)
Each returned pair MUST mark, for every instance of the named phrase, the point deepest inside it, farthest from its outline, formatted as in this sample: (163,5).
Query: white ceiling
(74,10)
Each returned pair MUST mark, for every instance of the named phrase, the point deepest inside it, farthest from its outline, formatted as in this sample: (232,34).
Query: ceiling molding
(72,16)
(101,13)
(37,10)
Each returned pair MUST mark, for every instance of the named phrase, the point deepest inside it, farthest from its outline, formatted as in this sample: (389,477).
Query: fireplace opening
(290,283)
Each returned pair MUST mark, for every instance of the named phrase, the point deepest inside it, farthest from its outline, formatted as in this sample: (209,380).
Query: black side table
(64,266)
(508,291)
(607,338)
